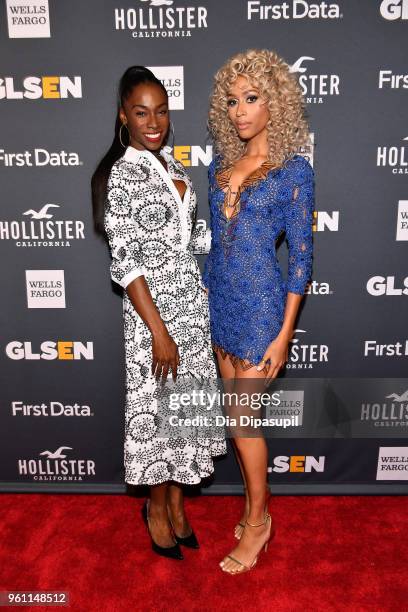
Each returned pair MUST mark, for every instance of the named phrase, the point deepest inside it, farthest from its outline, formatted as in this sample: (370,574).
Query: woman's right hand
(165,355)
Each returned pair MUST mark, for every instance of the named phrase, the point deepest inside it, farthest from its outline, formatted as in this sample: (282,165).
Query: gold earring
(120,134)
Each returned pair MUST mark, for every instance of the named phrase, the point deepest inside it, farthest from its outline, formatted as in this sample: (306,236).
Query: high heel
(171,552)
(189,541)
(243,567)
(239,527)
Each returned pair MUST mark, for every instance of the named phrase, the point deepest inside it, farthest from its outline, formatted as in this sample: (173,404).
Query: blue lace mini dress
(247,291)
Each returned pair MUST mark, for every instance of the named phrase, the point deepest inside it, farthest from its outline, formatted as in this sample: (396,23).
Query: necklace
(230,193)
(232,201)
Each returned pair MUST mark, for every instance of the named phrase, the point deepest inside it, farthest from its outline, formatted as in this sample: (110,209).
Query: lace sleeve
(211,185)
(298,225)
(207,270)
(121,232)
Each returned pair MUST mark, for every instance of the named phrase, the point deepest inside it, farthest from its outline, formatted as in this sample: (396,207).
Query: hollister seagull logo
(159,2)
(160,19)
(398,398)
(392,414)
(297,66)
(315,87)
(297,331)
(56,466)
(304,356)
(58,454)
(42,213)
(394,157)
(41,229)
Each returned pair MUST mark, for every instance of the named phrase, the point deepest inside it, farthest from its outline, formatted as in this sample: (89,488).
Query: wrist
(158,328)
(285,335)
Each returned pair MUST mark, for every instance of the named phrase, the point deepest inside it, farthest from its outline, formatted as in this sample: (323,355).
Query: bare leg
(239,527)
(253,454)
(175,505)
(159,524)
(227,371)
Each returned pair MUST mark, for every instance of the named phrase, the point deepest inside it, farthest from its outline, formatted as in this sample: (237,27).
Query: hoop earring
(120,134)
(172,134)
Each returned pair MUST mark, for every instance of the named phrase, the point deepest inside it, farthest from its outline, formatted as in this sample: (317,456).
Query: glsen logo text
(323,220)
(385,285)
(297,463)
(394,9)
(50,350)
(46,87)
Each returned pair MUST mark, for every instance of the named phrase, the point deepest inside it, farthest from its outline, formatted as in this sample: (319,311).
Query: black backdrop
(60,64)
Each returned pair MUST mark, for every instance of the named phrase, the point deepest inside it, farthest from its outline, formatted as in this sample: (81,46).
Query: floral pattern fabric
(149,228)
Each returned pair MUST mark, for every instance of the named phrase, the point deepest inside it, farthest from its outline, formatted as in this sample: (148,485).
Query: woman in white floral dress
(146,204)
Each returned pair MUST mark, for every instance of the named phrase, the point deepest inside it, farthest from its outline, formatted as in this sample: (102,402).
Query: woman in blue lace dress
(260,187)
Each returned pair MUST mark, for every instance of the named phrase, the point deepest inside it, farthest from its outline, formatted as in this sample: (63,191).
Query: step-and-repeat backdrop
(62,353)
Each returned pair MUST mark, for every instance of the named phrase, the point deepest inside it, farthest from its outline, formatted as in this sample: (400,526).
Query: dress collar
(133,155)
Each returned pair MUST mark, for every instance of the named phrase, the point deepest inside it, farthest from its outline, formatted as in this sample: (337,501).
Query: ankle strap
(267,516)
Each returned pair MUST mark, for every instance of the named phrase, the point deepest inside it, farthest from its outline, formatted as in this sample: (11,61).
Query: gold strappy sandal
(239,527)
(245,568)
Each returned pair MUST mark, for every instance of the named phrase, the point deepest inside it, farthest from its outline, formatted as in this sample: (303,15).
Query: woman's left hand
(277,353)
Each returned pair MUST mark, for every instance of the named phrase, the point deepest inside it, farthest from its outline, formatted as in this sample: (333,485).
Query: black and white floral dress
(149,228)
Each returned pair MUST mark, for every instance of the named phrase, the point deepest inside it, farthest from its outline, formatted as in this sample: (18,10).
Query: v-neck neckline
(259,173)
(222,178)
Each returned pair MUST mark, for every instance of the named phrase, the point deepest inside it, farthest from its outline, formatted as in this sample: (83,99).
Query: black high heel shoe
(189,541)
(171,552)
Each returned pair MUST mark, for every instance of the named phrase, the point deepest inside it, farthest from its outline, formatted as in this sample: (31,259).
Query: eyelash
(142,113)
(253,98)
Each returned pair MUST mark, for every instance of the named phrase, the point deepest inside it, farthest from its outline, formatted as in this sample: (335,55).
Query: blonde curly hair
(287,127)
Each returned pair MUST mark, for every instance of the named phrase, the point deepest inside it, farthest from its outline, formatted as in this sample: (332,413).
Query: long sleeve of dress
(211,186)
(298,225)
(121,231)
(207,270)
